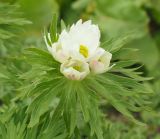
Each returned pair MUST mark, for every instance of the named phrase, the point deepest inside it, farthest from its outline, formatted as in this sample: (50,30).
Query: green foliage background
(121,104)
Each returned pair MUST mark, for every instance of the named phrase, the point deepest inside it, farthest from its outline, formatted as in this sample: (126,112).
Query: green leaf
(83,98)
(53,29)
(47,37)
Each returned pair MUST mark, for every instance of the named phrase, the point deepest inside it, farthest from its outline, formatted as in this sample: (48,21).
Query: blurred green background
(115,18)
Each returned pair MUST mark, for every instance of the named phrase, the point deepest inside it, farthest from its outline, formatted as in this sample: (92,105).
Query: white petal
(79,22)
(56,49)
(80,33)
(68,70)
(58,53)
(101,62)
(97,67)
(106,58)
(63,35)
(98,53)
(86,34)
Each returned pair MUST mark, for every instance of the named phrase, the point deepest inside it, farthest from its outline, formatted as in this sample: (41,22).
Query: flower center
(78,68)
(83,50)
(100,60)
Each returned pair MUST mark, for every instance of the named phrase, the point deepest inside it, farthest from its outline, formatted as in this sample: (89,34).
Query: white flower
(78,50)
(101,61)
(75,69)
(56,51)
(81,41)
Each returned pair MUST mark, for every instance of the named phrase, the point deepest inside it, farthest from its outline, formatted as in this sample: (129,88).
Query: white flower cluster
(79,52)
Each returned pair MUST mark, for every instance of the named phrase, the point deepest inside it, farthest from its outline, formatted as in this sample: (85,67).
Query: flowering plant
(75,54)
(79,51)
(65,89)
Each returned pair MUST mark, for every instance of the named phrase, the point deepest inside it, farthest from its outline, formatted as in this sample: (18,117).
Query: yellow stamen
(100,60)
(77,68)
(83,50)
